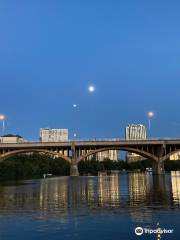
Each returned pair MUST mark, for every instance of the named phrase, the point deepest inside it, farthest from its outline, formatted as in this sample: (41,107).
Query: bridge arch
(128,149)
(16,152)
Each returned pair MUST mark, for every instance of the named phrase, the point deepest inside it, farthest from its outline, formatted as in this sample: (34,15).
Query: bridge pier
(158,167)
(74,170)
(74,166)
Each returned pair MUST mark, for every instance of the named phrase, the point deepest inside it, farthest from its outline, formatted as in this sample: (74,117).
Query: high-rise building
(175,156)
(111,154)
(101,156)
(135,132)
(53,135)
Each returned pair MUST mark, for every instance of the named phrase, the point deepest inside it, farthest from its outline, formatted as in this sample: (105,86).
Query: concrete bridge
(158,150)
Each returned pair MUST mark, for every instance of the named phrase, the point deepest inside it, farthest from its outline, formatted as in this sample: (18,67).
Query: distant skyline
(52,51)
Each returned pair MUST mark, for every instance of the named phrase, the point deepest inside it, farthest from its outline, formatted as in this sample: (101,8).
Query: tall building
(175,156)
(101,156)
(135,132)
(53,135)
(111,154)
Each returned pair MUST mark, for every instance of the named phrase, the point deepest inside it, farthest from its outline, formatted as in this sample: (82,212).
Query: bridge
(158,150)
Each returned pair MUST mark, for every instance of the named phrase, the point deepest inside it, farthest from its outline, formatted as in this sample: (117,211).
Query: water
(86,208)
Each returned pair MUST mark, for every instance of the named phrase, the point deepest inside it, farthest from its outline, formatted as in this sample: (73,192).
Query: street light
(2,118)
(150,115)
(91,88)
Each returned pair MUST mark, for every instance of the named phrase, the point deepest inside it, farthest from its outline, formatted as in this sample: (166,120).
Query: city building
(175,156)
(135,132)
(10,138)
(101,156)
(53,135)
(111,154)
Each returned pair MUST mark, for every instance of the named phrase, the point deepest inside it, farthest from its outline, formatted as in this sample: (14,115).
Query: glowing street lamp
(150,115)
(2,118)
(91,88)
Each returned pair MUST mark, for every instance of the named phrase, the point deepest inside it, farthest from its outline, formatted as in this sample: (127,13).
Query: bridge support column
(74,170)
(158,167)
(74,166)
(159,183)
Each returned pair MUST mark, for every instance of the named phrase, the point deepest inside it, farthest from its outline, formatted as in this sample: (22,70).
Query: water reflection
(72,195)
(53,195)
(159,194)
(175,182)
(108,190)
(139,187)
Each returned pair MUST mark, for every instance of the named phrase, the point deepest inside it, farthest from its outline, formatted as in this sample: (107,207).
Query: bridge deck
(92,143)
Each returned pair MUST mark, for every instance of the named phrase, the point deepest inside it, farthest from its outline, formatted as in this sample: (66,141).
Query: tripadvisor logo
(139,231)
(159,231)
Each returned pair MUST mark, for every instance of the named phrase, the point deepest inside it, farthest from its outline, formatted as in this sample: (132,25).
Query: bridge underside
(9,154)
(75,152)
(157,162)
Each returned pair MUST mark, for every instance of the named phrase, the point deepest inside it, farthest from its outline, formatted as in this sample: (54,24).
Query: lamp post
(150,115)
(2,118)
(75,109)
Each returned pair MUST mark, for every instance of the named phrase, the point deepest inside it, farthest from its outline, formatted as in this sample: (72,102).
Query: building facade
(135,132)
(10,138)
(53,135)
(101,156)
(175,156)
(111,154)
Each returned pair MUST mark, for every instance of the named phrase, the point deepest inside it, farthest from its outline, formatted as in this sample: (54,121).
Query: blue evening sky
(51,50)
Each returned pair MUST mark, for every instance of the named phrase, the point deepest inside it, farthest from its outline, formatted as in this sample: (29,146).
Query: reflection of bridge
(60,197)
(75,151)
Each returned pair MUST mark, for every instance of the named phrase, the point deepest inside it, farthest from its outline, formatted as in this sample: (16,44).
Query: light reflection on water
(61,204)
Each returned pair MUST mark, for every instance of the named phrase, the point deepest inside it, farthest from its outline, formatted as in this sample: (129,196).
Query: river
(91,208)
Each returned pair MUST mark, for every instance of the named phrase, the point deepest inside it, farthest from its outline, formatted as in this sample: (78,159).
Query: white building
(135,132)
(10,138)
(53,135)
(101,156)
(111,154)
(175,156)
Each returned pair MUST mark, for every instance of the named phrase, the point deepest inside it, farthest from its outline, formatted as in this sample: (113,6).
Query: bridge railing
(94,140)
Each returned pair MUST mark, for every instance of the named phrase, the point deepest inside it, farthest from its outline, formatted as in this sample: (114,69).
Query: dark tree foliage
(170,165)
(32,166)
(35,165)
(142,165)
(93,166)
